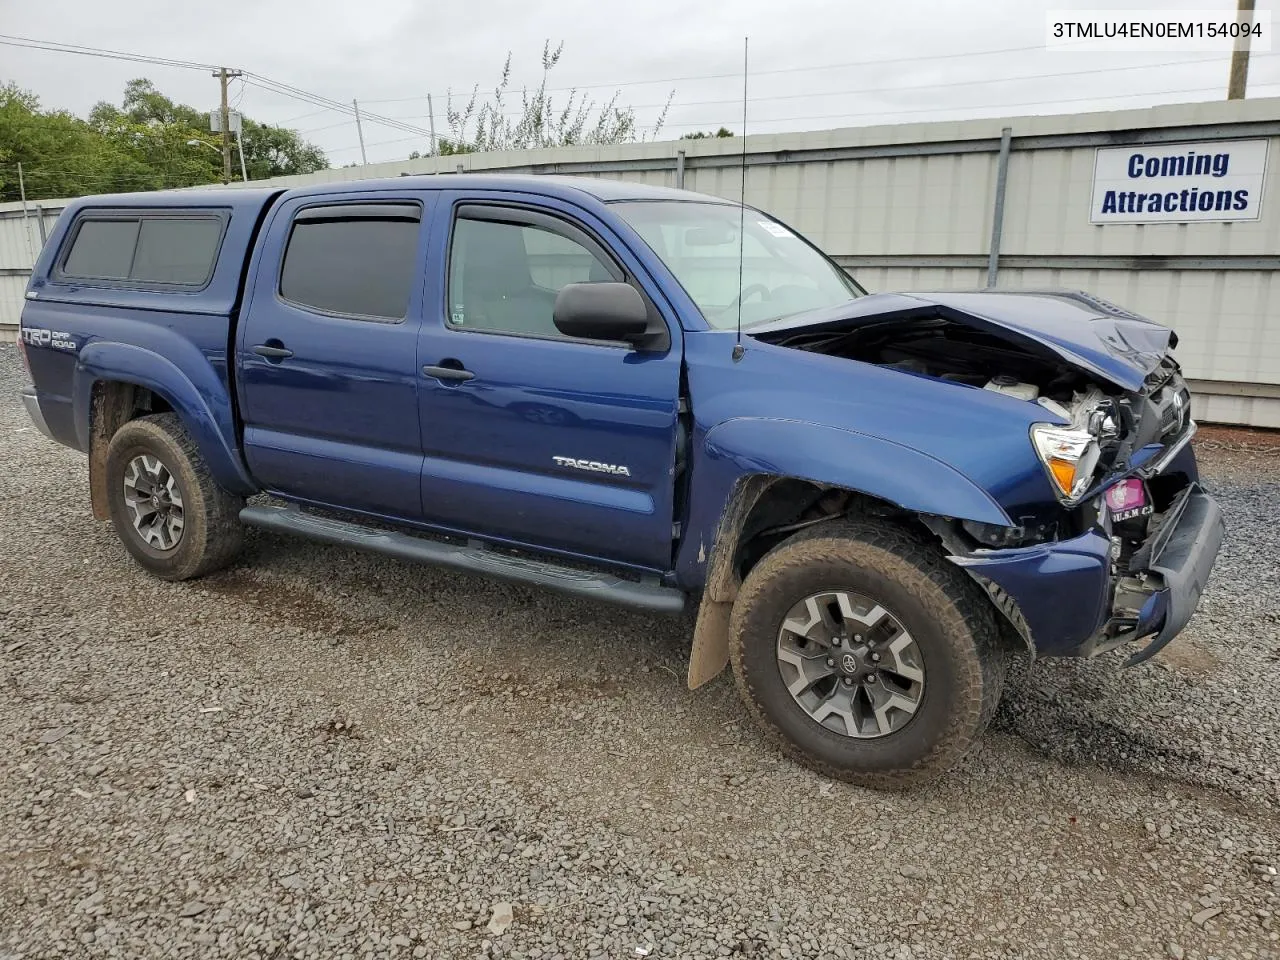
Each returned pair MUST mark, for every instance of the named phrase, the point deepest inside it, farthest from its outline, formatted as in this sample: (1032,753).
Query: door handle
(449,373)
(272,350)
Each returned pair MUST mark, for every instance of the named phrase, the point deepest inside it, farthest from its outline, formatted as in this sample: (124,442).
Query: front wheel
(866,654)
(165,505)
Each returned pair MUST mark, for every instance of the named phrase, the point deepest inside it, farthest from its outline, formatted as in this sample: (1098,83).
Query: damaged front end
(1121,544)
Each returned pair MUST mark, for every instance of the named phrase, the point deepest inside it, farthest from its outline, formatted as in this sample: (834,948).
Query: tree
(707,135)
(268,151)
(143,144)
(539,121)
(61,155)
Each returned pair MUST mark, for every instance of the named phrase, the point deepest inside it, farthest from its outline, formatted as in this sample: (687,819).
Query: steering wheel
(747,291)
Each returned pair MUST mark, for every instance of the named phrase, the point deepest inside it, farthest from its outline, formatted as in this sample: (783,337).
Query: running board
(473,558)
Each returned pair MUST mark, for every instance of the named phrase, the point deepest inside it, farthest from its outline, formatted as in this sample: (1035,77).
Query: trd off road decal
(55,339)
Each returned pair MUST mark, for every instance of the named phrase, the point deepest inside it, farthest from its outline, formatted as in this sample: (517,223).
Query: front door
(530,436)
(325,366)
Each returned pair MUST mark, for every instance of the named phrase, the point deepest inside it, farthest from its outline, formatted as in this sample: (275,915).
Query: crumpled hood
(1097,336)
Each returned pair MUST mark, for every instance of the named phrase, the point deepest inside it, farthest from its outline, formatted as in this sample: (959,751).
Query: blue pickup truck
(645,396)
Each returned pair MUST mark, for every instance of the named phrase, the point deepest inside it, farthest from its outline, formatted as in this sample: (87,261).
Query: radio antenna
(738,349)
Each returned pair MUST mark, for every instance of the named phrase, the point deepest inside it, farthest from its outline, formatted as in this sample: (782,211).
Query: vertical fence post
(679,169)
(997,217)
(44,235)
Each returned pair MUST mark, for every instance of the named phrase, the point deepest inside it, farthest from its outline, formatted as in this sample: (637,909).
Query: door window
(356,260)
(504,275)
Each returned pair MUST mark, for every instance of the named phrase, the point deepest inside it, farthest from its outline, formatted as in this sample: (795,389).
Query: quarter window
(176,251)
(355,260)
(504,276)
(169,251)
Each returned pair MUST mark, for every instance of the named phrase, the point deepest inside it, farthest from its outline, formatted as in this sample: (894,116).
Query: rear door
(326,367)
(528,435)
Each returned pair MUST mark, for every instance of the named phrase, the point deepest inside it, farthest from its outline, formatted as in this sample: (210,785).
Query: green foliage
(707,135)
(538,120)
(144,144)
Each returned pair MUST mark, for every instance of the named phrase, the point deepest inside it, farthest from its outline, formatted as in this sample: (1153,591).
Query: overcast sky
(391,53)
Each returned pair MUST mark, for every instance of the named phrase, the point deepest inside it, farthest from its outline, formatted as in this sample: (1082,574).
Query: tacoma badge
(594,466)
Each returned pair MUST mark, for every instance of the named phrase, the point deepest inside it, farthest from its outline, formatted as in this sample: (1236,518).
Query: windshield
(782,273)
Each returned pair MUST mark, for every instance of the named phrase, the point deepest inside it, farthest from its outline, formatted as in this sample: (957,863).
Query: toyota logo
(849,663)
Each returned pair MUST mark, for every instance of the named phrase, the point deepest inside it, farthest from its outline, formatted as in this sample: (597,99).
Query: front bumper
(32,403)
(1182,553)
(1073,602)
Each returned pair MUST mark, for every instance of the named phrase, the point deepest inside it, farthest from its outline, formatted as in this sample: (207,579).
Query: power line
(58,47)
(304,116)
(329,105)
(877,89)
(296,93)
(258,79)
(757,73)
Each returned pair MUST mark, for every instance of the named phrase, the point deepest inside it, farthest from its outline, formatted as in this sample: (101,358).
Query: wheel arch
(116,382)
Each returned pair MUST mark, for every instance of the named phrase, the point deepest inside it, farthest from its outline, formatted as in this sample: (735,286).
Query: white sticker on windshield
(777,229)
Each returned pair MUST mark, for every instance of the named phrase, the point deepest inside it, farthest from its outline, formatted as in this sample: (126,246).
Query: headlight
(1069,457)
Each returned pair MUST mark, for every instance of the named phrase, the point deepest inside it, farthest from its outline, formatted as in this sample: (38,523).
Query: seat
(498,292)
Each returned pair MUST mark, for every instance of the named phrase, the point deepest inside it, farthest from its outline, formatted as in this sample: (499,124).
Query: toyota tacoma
(643,396)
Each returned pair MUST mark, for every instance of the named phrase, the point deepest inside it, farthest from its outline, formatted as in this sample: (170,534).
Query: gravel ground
(324,754)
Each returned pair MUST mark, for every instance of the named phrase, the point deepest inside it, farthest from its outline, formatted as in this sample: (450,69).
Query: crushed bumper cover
(1065,591)
(1183,555)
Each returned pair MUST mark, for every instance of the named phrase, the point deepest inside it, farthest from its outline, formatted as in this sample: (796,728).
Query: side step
(643,595)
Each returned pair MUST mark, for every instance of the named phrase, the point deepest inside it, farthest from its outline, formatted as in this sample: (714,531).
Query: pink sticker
(1126,496)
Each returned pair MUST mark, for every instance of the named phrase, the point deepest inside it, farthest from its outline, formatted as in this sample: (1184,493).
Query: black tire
(211,533)
(952,624)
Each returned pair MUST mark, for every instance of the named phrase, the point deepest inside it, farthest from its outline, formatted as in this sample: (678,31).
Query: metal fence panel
(910,206)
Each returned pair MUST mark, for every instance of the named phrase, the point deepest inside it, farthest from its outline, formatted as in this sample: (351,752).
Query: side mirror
(601,311)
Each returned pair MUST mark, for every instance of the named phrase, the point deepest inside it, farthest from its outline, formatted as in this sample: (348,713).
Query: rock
(89,902)
(462,924)
(193,908)
(1173,950)
(54,735)
(1130,900)
(501,919)
(1205,915)
(304,793)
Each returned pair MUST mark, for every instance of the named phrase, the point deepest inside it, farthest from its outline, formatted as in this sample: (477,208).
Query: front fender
(205,409)
(754,446)
(733,465)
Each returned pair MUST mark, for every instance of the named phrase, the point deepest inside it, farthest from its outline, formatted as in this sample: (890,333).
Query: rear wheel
(866,654)
(164,503)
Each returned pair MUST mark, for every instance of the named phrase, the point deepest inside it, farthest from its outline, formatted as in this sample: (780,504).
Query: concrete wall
(910,206)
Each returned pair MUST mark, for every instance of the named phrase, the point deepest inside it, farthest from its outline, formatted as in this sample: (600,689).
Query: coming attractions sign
(1179,182)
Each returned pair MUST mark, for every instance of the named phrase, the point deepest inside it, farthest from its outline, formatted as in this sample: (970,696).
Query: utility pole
(1240,55)
(359,132)
(26,225)
(431,117)
(224,76)
(244,174)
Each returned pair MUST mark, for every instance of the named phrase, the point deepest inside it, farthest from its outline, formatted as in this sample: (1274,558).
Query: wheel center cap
(849,663)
